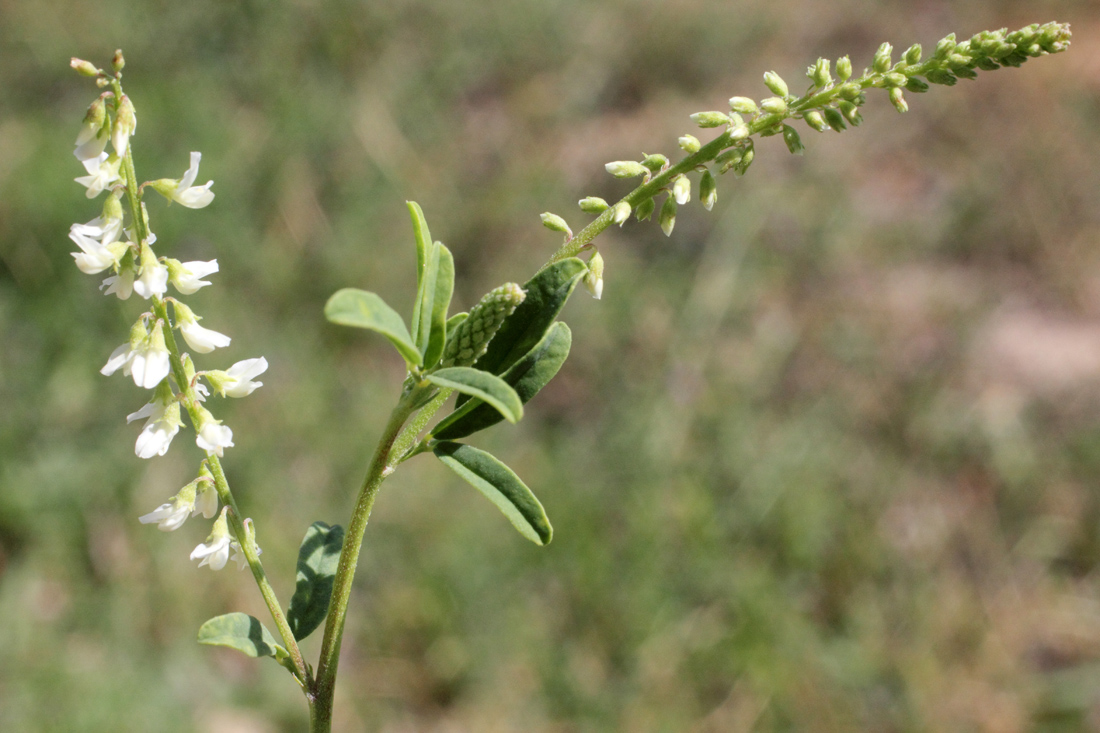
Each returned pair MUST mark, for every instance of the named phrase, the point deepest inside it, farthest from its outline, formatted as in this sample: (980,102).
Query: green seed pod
(794,142)
(667,217)
(472,337)
(593,205)
(644,210)
(710,119)
(913,54)
(743,105)
(728,159)
(775,82)
(746,160)
(882,58)
(708,190)
(655,162)
(834,118)
(916,85)
(851,113)
(939,76)
(689,144)
(844,68)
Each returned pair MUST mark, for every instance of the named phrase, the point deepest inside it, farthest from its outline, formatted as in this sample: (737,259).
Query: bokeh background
(826,459)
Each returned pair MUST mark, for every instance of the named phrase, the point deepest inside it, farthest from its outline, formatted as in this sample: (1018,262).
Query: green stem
(381,466)
(190,403)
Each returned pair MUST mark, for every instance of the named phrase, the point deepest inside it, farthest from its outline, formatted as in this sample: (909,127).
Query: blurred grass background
(825,460)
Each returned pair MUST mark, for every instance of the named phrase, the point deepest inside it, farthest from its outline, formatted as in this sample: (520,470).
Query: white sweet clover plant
(496,357)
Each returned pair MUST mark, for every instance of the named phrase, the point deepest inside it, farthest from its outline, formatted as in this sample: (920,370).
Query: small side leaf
(487,387)
(423,238)
(547,292)
(527,376)
(425,294)
(441,303)
(318,557)
(241,632)
(361,309)
(499,485)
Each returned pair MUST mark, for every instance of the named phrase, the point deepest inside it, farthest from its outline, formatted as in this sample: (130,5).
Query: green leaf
(318,557)
(444,283)
(527,376)
(425,293)
(487,387)
(241,632)
(547,292)
(423,238)
(454,322)
(501,486)
(360,309)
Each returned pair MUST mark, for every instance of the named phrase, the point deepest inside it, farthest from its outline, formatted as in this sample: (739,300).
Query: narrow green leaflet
(501,486)
(487,387)
(425,293)
(546,295)
(444,284)
(527,376)
(241,632)
(361,309)
(423,238)
(318,557)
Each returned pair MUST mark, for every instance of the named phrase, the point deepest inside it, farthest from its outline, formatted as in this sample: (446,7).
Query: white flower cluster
(111,242)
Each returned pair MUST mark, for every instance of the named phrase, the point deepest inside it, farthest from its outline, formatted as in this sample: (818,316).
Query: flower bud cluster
(123,245)
(473,335)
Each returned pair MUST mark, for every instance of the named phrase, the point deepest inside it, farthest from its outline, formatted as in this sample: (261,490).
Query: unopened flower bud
(819,73)
(746,160)
(844,68)
(834,118)
(644,210)
(621,213)
(125,125)
(945,47)
(794,142)
(743,105)
(816,120)
(728,159)
(626,169)
(556,223)
(849,91)
(774,106)
(655,162)
(681,189)
(689,144)
(117,61)
(472,336)
(667,217)
(593,279)
(710,119)
(740,132)
(914,84)
(851,113)
(775,82)
(939,76)
(84,68)
(897,98)
(882,58)
(593,205)
(913,54)
(708,190)
(894,79)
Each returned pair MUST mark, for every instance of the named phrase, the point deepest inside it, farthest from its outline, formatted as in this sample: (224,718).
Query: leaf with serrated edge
(489,388)
(318,556)
(501,486)
(362,309)
(527,376)
(441,302)
(241,632)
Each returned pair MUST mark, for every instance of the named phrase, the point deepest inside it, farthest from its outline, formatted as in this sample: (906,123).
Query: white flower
(212,437)
(121,284)
(187,276)
(102,229)
(182,191)
(215,551)
(163,423)
(206,501)
(172,514)
(94,256)
(125,125)
(146,358)
(202,340)
(101,174)
(238,556)
(153,279)
(93,135)
(237,380)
